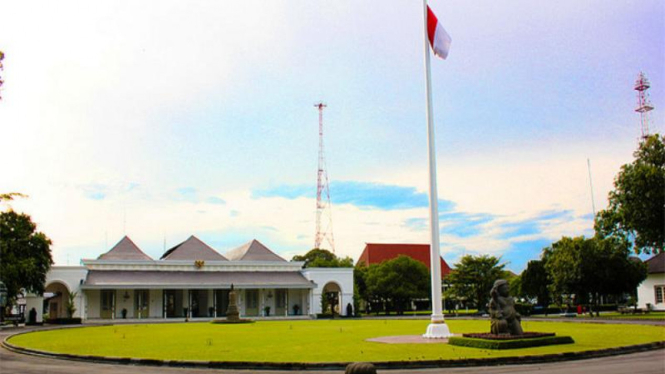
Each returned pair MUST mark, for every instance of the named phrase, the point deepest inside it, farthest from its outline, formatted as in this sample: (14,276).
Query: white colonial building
(652,290)
(191,280)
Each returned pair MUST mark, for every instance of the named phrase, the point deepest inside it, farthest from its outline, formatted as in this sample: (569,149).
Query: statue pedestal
(437,331)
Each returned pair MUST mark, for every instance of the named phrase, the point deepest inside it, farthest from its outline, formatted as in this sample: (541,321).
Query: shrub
(524,309)
(509,344)
(64,321)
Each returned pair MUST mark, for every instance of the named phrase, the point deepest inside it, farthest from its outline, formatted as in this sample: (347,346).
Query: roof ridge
(253,248)
(124,248)
(195,244)
(205,245)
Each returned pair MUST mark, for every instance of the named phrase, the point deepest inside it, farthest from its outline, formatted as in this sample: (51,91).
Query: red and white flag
(438,37)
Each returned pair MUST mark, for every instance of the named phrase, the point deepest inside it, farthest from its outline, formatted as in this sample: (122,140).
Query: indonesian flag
(438,37)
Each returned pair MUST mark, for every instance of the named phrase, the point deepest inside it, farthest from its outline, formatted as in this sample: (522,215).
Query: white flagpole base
(437,330)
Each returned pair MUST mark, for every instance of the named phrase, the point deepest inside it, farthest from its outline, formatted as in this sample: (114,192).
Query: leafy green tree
(323,258)
(636,208)
(328,302)
(473,277)
(25,254)
(592,268)
(535,283)
(515,286)
(360,285)
(397,282)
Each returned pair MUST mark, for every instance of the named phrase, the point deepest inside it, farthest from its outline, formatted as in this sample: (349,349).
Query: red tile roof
(376,253)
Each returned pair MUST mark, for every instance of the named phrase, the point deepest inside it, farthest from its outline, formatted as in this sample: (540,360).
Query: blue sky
(162,119)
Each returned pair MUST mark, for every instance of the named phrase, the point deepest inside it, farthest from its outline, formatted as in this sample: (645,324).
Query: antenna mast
(644,105)
(593,203)
(2,56)
(321,188)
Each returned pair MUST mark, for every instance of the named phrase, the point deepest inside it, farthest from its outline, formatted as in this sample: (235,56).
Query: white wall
(124,303)
(343,277)
(156,304)
(72,277)
(93,303)
(297,297)
(37,302)
(647,295)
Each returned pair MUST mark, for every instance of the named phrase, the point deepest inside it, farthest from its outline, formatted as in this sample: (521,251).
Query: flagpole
(437,327)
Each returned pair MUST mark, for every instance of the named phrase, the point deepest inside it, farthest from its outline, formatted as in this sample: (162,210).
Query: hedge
(64,321)
(509,344)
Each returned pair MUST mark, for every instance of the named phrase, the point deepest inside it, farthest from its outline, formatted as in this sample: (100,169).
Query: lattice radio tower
(323,206)
(644,105)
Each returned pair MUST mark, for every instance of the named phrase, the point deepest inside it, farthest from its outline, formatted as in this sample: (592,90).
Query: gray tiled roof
(656,264)
(192,249)
(125,250)
(253,251)
(194,279)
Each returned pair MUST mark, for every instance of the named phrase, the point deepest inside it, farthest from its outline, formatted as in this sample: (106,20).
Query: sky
(165,119)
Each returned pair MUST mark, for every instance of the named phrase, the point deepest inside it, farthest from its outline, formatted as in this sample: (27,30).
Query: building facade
(191,280)
(651,292)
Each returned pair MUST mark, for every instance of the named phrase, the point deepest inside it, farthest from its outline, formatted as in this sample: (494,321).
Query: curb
(427,364)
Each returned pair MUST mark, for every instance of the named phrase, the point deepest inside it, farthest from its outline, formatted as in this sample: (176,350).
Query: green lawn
(653,316)
(311,341)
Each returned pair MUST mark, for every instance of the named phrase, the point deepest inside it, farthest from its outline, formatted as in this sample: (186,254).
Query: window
(107,300)
(252,298)
(280,298)
(660,290)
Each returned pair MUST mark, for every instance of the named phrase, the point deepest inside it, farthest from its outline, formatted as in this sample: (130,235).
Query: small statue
(232,313)
(503,317)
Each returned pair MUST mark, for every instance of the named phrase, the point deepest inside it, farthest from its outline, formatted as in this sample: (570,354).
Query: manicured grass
(312,341)
(653,316)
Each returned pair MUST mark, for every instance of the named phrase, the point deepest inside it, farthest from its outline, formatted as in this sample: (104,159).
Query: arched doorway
(331,298)
(56,297)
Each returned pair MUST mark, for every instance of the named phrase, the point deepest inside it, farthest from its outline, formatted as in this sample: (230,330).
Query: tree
(636,208)
(592,268)
(25,254)
(322,258)
(535,283)
(360,285)
(328,302)
(473,277)
(71,305)
(397,282)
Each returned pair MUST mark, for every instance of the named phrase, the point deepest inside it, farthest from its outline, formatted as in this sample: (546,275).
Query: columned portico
(192,281)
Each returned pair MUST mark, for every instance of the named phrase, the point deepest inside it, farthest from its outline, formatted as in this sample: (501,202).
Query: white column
(214,303)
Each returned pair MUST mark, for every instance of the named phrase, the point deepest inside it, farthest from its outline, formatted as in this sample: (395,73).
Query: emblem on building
(199,263)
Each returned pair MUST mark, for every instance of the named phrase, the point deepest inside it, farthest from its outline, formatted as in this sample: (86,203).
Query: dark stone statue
(232,313)
(32,317)
(503,317)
